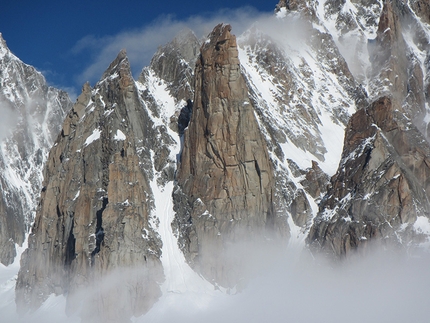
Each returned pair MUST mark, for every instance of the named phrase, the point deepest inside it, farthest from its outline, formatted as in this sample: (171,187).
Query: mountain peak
(122,54)
(282,4)
(120,67)
(225,168)
(184,35)
(183,47)
(3,46)
(220,34)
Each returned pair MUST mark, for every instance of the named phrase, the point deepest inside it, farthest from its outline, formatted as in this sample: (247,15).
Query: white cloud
(141,44)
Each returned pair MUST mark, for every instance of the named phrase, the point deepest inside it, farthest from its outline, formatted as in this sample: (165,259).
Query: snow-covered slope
(31,116)
(304,93)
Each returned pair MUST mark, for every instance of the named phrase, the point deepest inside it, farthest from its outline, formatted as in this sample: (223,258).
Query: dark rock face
(315,181)
(94,217)
(225,177)
(32,114)
(381,186)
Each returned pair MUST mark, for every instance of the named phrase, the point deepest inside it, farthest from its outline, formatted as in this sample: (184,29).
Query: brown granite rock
(93,220)
(381,186)
(422,9)
(225,171)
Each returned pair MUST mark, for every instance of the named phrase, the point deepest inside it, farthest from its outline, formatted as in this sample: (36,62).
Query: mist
(380,287)
(9,119)
(285,285)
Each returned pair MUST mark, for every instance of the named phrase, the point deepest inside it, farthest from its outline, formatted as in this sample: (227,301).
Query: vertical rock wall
(92,238)
(225,178)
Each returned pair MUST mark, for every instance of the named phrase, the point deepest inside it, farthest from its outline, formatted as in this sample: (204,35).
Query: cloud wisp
(141,44)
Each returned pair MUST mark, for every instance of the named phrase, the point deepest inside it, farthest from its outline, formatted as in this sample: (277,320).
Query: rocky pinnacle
(225,169)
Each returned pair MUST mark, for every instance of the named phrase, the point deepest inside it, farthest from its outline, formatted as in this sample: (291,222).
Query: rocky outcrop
(381,187)
(315,181)
(174,64)
(388,54)
(32,113)
(422,9)
(398,56)
(225,178)
(94,220)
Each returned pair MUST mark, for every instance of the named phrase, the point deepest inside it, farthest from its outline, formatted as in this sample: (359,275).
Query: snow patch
(93,137)
(119,135)
(77,195)
(422,225)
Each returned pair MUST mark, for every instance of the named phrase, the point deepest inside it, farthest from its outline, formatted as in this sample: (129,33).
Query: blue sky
(74,41)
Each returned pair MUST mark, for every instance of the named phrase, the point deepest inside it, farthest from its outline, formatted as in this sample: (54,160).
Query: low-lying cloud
(381,287)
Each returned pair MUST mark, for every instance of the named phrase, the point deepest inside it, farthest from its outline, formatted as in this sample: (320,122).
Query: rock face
(304,94)
(94,218)
(173,65)
(225,178)
(32,114)
(381,188)
(422,9)
(379,192)
(389,55)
